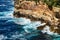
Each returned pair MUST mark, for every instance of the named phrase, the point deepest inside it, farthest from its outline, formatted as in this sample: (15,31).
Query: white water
(32,26)
(28,25)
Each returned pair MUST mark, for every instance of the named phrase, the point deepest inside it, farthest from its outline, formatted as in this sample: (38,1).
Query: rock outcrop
(39,12)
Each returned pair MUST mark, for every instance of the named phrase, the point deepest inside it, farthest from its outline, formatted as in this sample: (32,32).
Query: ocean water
(19,28)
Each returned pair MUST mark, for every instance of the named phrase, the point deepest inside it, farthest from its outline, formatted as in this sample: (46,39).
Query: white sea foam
(47,30)
(1,37)
(10,15)
(32,26)
(22,21)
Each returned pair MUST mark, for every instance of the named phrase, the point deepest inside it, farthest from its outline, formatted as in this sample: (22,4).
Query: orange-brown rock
(37,11)
(57,12)
(40,12)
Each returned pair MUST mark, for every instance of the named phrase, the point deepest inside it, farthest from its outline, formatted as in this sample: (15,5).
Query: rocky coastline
(39,12)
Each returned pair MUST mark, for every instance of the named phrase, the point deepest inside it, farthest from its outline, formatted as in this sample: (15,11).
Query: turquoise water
(19,28)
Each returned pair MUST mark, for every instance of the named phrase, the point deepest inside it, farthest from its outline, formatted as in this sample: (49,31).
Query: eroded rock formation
(39,12)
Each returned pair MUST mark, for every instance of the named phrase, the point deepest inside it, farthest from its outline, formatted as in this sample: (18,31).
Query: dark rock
(57,14)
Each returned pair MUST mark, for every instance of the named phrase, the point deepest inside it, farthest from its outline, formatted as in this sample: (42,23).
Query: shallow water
(19,28)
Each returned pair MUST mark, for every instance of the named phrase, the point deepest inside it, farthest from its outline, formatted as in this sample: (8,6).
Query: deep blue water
(11,29)
(6,5)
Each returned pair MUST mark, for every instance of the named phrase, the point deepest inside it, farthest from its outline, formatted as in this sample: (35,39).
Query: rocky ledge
(38,12)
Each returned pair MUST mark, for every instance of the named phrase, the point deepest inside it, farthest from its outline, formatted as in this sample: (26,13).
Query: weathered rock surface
(39,12)
(57,12)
